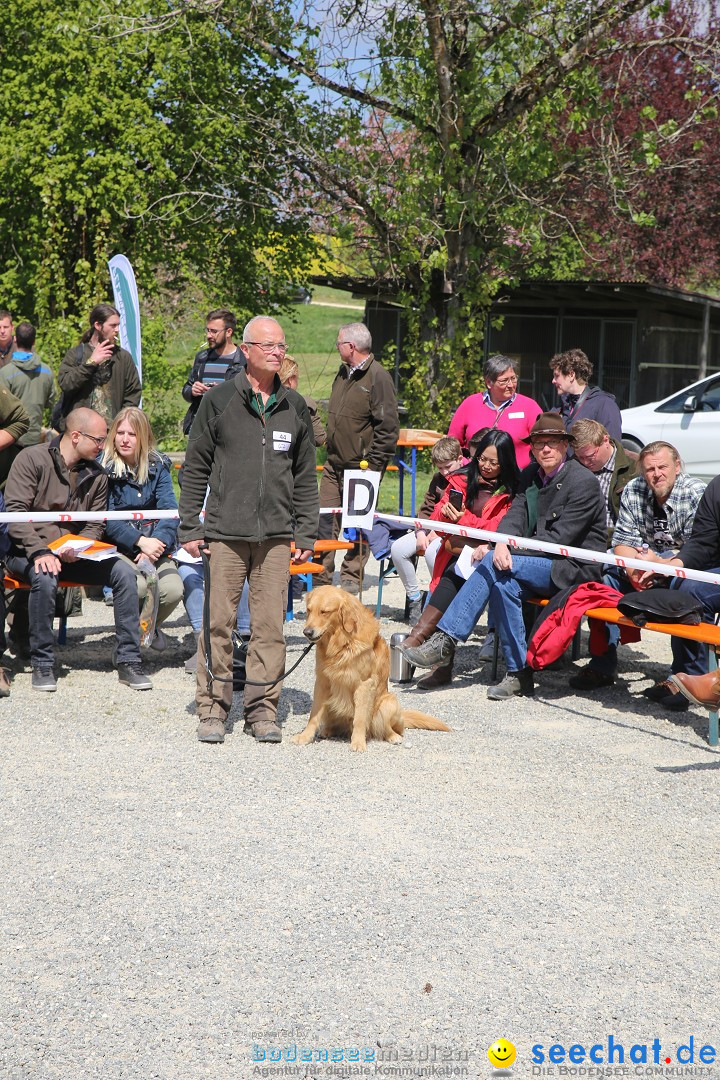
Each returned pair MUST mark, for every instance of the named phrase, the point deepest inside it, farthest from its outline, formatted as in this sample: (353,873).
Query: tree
(657,128)
(444,153)
(120,143)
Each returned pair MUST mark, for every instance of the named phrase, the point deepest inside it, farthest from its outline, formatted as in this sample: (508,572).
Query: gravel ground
(546,873)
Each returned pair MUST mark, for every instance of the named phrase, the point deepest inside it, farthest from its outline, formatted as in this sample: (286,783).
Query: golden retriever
(351,675)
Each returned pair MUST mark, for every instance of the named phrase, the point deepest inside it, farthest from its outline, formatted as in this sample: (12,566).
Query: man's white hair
(249,331)
(358,334)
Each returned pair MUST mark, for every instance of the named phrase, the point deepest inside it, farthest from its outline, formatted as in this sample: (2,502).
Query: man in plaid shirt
(657,510)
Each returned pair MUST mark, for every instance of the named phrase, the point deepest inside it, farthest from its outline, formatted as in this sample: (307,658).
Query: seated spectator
(556,505)
(606,458)
(64,476)
(31,381)
(488,486)
(139,479)
(657,511)
(700,551)
(499,406)
(289,375)
(220,361)
(572,372)
(447,457)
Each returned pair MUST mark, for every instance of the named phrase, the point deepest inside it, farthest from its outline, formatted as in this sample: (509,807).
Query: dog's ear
(349,621)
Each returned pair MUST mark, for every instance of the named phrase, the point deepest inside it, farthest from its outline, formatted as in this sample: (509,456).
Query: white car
(689,420)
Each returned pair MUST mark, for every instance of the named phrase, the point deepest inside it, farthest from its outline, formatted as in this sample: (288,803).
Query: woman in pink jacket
(487,486)
(500,406)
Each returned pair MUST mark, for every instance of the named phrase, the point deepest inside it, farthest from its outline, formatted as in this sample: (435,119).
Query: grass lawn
(310,331)
(311,337)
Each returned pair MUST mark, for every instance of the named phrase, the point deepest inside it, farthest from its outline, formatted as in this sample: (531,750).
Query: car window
(708,400)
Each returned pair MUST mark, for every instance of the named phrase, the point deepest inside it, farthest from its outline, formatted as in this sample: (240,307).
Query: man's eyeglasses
(98,442)
(270,346)
(586,456)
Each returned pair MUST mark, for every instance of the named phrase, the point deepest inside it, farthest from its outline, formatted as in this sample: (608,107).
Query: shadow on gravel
(688,721)
(697,767)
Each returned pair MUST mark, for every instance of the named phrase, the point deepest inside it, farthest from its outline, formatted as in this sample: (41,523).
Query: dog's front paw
(302,739)
(358,746)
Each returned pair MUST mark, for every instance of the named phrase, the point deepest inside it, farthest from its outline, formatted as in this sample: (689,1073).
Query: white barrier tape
(582,554)
(87,515)
(525,543)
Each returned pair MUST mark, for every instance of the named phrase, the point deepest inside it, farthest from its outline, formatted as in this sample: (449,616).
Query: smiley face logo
(502,1054)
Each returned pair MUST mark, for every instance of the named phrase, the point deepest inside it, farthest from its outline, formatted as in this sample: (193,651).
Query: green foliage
(121,142)
(162,385)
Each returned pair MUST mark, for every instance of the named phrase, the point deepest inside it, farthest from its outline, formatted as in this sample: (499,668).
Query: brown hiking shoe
(266,731)
(211,730)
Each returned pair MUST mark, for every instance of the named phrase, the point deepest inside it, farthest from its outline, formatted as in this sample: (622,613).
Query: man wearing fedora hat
(557,505)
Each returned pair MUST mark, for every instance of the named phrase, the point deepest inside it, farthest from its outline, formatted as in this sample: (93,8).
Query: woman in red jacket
(485,490)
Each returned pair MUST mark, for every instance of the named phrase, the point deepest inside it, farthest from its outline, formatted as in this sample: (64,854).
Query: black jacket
(262,478)
(702,550)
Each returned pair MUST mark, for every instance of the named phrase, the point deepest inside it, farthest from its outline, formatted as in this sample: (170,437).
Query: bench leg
(713,717)
(62,633)
(381,578)
(496,653)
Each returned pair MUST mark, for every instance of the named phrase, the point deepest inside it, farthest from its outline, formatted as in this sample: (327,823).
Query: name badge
(516,416)
(282,436)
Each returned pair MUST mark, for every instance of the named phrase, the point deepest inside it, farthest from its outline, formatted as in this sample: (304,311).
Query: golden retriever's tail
(414,719)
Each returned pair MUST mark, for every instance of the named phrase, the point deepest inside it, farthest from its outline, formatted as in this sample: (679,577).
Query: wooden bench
(306,570)
(704,633)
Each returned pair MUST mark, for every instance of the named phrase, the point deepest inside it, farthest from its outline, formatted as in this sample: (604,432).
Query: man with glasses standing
(362,426)
(218,362)
(252,445)
(64,476)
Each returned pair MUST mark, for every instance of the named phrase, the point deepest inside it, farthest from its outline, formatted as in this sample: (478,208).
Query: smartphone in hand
(455,498)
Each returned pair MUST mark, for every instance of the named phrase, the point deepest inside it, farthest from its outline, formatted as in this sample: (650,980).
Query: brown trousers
(331,491)
(267,566)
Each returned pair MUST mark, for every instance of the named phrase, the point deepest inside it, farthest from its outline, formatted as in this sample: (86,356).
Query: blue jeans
(688,656)
(504,591)
(193,579)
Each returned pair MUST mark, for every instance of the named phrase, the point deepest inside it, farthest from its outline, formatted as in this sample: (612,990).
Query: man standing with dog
(252,450)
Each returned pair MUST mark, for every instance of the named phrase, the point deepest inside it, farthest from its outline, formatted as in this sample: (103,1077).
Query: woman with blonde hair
(139,479)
